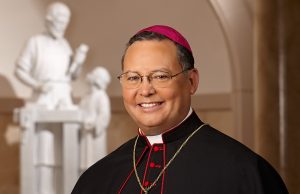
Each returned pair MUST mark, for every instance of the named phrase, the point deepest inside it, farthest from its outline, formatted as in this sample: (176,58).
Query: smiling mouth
(150,105)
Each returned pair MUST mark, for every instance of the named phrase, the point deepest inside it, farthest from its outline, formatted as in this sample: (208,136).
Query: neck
(153,139)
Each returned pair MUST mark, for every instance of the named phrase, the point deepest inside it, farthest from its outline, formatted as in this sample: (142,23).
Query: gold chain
(146,189)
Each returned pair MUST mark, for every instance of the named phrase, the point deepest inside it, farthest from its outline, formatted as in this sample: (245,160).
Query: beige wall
(18,20)
(109,25)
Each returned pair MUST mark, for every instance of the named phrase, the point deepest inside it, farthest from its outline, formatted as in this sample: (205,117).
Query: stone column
(277,87)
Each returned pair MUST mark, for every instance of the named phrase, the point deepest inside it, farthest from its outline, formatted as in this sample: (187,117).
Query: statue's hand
(89,124)
(44,87)
(77,61)
(80,54)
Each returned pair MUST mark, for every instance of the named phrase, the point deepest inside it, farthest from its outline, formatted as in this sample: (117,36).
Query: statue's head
(57,19)
(100,77)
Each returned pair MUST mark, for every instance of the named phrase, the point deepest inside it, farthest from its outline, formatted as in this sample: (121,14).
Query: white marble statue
(47,65)
(96,108)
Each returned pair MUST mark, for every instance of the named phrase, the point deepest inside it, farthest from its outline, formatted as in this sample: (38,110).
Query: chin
(150,125)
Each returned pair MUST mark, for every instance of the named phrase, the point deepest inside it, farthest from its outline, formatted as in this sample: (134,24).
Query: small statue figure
(47,65)
(96,108)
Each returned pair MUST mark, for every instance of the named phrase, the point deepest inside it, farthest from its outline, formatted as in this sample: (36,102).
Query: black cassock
(210,163)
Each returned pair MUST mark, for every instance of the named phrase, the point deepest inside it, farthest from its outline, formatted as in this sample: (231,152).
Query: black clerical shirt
(210,163)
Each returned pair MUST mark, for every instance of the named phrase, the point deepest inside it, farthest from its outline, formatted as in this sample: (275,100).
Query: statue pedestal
(70,121)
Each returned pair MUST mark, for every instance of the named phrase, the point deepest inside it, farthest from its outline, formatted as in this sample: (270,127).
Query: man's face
(57,26)
(156,109)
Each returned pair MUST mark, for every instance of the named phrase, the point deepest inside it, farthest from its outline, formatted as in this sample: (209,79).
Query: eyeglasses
(159,79)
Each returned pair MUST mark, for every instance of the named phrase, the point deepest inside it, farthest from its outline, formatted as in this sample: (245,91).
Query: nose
(146,88)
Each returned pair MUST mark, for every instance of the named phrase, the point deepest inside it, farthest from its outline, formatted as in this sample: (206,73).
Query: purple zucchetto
(169,32)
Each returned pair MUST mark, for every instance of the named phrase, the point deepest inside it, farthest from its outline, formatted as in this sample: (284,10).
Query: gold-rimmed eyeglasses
(159,79)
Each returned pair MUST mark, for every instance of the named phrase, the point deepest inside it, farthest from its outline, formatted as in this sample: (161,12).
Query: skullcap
(169,32)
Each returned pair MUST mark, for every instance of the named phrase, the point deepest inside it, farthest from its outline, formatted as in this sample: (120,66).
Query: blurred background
(247,53)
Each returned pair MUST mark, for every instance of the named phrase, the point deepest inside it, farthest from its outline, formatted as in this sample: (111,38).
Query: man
(47,65)
(174,152)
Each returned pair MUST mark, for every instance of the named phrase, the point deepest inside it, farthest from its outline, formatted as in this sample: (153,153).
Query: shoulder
(65,42)
(223,144)
(229,155)
(38,37)
(111,160)
(104,172)
(34,41)
(223,151)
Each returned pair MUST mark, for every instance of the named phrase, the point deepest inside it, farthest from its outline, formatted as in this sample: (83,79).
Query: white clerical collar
(155,139)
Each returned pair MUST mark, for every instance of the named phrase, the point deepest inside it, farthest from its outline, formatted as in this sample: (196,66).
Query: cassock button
(153,165)
(146,184)
(156,148)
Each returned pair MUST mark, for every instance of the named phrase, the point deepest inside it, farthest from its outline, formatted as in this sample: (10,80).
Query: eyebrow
(156,70)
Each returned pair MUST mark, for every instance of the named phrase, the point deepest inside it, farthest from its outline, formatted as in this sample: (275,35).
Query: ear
(194,80)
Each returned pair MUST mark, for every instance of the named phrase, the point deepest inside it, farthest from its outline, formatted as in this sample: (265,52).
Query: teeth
(148,105)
